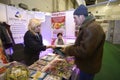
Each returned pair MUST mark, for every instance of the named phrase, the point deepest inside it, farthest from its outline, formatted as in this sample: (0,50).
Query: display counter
(49,67)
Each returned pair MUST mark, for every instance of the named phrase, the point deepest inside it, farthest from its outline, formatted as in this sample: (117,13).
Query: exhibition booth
(50,66)
(47,67)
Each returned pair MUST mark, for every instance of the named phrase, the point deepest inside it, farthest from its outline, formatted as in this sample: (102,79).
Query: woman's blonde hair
(33,23)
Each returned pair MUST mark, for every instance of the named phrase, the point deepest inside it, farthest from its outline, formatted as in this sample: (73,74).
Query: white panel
(3,13)
(46,30)
(70,25)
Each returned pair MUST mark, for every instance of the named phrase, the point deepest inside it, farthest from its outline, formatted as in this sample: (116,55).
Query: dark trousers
(86,76)
(80,75)
(31,58)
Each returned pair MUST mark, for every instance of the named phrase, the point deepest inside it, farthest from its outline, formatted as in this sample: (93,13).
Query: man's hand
(63,49)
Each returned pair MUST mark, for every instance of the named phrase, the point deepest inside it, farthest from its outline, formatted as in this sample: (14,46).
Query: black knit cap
(81,10)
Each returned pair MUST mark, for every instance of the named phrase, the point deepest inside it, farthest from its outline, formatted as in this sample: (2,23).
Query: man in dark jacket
(88,46)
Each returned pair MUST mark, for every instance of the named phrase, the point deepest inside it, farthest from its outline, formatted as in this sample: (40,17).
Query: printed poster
(58,24)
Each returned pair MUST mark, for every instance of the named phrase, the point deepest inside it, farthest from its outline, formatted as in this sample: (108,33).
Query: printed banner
(17,19)
(58,24)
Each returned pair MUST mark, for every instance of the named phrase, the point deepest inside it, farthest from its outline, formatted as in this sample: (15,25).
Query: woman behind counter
(33,42)
(59,40)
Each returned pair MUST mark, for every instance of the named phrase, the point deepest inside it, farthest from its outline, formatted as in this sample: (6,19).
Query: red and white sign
(58,24)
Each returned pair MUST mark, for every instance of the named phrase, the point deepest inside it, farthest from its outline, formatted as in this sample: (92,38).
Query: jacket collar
(87,21)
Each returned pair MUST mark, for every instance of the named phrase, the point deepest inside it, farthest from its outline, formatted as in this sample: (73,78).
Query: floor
(111,63)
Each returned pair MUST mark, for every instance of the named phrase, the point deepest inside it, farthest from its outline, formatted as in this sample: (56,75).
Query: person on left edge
(33,42)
